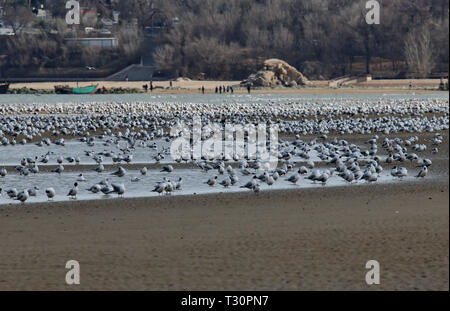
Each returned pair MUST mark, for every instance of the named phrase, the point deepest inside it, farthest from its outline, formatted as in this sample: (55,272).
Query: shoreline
(318,239)
(422,86)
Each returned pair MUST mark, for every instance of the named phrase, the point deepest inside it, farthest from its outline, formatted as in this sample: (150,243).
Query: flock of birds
(140,125)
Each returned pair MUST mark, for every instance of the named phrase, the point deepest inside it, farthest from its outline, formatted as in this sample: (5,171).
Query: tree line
(229,39)
(322,38)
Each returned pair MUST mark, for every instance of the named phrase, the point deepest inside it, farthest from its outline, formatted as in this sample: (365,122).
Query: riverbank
(193,86)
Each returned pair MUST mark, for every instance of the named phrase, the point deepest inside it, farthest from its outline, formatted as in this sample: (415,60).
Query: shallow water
(193,179)
(194,182)
(207,98)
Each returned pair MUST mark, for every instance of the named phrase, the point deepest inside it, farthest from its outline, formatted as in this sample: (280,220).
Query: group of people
(147,87)
(223,89)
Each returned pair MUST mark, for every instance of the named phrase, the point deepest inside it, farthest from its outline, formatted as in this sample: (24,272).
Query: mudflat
(300,239)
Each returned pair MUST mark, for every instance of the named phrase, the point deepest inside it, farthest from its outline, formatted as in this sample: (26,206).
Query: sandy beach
(419,86)
(317,239)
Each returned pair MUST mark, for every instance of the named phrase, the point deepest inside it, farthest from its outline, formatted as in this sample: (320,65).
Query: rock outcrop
(276,73)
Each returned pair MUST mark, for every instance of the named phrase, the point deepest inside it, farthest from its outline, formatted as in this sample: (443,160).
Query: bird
(119,189)
(73,192)
(120,172)
(12,193)
(95,188)
(251,184)
(22,196)
(50,192)
(212,181)
(59,169)
(81,178)
(294,178)
(143,171)
(167,168)
(423,172)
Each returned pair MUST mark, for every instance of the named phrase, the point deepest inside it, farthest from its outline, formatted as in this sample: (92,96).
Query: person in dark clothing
(145,87)
(231,89)
(203,89)
(217,89)
(248,88)
(170,83)
(151,86)
(220,89)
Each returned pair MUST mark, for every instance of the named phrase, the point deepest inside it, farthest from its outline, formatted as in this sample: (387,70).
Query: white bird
(81,178)
(167,168)
(251,184)
(120,172)
(95,188)
(22,196)
(119,189)
(12,193)
(423,172)
(100,168)
(294,178)
(58,169)
(50,192)
(73,192)
(212,181)
(226,182)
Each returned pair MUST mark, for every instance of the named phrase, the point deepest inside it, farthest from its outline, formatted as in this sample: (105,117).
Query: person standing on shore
(170,83)
(220,89)
(203,89)
(248,88)
(217,90)
(151,86)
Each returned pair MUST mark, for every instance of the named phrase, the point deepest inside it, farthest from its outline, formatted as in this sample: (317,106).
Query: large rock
(276,72)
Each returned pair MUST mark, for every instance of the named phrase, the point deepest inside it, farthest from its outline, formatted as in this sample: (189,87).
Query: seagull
(143,171)
(58,169)
(95,188)
(81,178)
(212,181)
(119,189)
(32,191)
(294,178)
(423,172)
(160,187)
(120,172)
(178,184)
(100,168)
(226,182)
(73,192)
(251,184)
(12,193)
(167,168)
(50,192)
(22,196)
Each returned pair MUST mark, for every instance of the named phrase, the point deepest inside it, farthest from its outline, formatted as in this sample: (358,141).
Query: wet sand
(300,239)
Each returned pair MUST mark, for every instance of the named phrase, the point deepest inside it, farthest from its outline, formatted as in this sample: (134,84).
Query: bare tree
(418,51)
(17,17)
